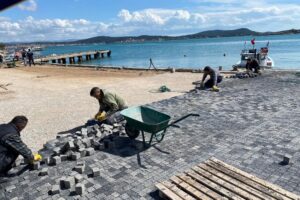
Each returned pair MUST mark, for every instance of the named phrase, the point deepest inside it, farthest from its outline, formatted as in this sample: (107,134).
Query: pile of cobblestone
(72,147)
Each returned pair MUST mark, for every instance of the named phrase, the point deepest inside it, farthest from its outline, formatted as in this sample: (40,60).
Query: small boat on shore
(261,55)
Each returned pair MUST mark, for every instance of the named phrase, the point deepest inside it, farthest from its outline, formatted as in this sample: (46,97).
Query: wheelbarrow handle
(182,118)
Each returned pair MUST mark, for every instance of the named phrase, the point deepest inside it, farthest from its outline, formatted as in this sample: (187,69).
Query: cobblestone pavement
(250,124)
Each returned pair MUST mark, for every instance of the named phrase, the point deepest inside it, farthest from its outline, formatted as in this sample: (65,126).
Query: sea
(190,53)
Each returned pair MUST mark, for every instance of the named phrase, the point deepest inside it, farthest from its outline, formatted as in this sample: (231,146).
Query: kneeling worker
(215,78)
(11,144)
(110,106)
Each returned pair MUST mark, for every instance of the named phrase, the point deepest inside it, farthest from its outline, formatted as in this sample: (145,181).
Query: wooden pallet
(215,179)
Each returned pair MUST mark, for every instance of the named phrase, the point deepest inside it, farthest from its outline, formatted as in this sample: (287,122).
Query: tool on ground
(144,119)
(164,89)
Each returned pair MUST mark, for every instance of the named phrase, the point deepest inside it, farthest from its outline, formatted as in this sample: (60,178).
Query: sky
(59,20)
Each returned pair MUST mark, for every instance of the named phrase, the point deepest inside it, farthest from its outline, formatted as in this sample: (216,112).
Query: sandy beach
(56,99)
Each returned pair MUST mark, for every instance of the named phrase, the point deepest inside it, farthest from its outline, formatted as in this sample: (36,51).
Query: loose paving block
(80,189)
(86,142)
(96,171)
(56,160)
(68,182)
(75,156)
(79,169)
(82,152)
(90,151)
(69,146)
(55,189)
(286,159)
(43,172)
(36,165)
(57,150)
(78,178)
(64,157)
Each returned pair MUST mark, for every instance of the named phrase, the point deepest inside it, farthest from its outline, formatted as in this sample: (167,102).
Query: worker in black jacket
(11,144)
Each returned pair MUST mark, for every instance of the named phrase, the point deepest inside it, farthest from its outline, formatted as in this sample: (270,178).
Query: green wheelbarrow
(144,119)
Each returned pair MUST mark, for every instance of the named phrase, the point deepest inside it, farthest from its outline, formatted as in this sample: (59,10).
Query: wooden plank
(235,182)
(217,188)
(190,189)
(247,181)
(167,192)
(178,191)
(201,187)
(260,181)
(229,186)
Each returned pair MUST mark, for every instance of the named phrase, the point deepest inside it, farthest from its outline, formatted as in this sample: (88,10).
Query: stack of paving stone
(72,147)
(242,75)
(83,143)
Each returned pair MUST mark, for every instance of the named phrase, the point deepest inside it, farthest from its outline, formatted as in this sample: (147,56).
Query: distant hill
(204,34)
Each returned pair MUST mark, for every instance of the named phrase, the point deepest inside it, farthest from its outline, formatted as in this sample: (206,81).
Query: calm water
(284,49)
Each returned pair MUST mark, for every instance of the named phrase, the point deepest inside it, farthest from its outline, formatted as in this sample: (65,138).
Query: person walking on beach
(111,106)
(11,144)
(30,57)
(252,65)
(24,56)
(215,79)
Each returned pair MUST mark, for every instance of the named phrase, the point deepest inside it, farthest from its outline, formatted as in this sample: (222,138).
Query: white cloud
(31,5)
(261,17)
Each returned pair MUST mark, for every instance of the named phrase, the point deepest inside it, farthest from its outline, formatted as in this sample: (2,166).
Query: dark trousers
(6,163)
(210,83)
(31,61)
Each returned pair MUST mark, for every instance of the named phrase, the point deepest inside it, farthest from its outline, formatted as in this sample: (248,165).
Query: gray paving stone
(248,124)
(43,172)
(79,188)
(56,160)
(55,190)
(96,172)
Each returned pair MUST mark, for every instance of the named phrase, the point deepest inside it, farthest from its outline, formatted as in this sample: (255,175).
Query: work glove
(215,89)
(37,157)
(101,116)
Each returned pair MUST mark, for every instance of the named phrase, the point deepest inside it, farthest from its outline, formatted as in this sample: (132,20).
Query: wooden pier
(71,57)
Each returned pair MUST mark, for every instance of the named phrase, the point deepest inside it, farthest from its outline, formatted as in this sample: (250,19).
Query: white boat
(37,48)
(264,60)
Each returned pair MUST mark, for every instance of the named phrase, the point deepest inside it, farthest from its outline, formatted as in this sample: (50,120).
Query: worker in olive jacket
(110,105)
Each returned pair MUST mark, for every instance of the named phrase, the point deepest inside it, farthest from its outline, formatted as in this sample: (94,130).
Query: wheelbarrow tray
(146,119)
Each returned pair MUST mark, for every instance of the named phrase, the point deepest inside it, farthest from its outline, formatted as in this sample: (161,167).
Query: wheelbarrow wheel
(160,136)
(131,132)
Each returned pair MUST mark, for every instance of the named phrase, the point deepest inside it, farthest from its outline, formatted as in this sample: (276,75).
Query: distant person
(24,56)
(252,65)
(11,144)
(110,106)
(30,57)
(1,58)
(215,79)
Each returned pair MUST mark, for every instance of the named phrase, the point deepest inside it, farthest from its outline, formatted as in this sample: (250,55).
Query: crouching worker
(252,66)
(11,144)
(111,106)
(215,79)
